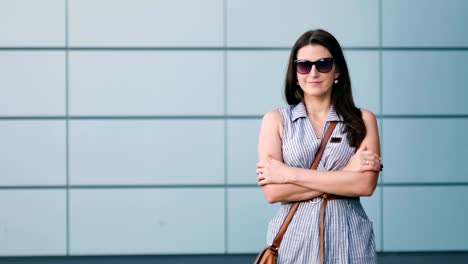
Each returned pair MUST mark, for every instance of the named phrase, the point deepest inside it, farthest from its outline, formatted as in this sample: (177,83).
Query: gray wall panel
(32,152)
(146,83)
(255,81)
(32,222)
(421,23)
(425,150)
(424,82)
(138,152)
(146,221)
(32,83)
(31,23)
(140,23)
(422,219)
(279,23)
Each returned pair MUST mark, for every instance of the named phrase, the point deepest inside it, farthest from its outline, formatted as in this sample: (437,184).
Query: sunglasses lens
(324,65)
(303,67)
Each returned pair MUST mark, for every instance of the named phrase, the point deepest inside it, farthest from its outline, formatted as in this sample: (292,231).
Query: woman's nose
(314,71)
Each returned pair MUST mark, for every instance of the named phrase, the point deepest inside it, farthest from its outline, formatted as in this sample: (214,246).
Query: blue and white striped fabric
(349,237)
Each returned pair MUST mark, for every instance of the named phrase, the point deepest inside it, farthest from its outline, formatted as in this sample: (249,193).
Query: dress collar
(300,111)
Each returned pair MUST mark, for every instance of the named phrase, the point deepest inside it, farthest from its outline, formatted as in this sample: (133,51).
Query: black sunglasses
(323,65)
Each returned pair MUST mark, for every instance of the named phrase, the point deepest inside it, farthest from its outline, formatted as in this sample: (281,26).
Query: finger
(260,176)
(367,156)
(371,155)
(378,164)
(262,182)
(376,157)
(374,166)
(261,165)
(367,152)
(370,165)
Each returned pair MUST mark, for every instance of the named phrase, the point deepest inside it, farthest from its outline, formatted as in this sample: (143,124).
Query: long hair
(341,95)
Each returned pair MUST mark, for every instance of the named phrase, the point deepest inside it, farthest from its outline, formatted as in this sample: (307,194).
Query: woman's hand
(272,171)
(363,160)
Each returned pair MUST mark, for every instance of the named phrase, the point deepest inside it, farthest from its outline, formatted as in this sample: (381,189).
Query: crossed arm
(281,183)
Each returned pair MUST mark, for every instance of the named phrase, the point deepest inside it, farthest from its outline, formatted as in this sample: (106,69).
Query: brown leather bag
(269,254)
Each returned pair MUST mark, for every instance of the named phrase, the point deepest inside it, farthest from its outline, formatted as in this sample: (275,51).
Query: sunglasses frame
(316,63)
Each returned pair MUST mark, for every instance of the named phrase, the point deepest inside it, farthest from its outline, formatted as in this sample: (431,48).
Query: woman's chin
(318,94)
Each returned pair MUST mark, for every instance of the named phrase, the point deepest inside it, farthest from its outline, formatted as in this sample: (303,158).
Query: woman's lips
(314,82)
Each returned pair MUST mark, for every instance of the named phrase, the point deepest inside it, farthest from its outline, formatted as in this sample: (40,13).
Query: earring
(297,83)
(336,81)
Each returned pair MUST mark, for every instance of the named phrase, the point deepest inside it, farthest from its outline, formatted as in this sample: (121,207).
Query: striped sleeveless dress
(349,236)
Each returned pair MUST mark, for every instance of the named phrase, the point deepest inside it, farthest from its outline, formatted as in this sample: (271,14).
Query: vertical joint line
(226,224)
(381,120)
(67,119)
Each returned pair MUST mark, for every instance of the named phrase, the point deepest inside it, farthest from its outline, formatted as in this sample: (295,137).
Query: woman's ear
(337,74)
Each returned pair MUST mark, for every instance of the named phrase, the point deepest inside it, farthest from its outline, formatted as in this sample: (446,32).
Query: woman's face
(315,83)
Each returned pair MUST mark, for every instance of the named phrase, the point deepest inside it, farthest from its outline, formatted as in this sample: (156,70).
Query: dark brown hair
(341,96)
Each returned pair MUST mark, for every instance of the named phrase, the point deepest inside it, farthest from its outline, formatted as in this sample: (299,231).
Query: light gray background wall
(130,127)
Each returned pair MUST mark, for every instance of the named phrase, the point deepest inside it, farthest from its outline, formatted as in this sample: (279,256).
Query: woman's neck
(317,106)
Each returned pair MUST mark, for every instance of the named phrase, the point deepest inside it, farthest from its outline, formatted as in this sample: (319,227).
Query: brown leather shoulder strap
(319,153)
(285,225)
(295,205)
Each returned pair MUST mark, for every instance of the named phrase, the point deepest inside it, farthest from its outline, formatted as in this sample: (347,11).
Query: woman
(318,91)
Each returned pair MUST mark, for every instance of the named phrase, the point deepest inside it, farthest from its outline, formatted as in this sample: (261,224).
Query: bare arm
(347,183)
(270,142)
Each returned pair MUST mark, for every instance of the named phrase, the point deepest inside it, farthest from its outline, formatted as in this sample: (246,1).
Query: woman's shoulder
(367,115)
(278,116)
(369,118)
(273,116)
